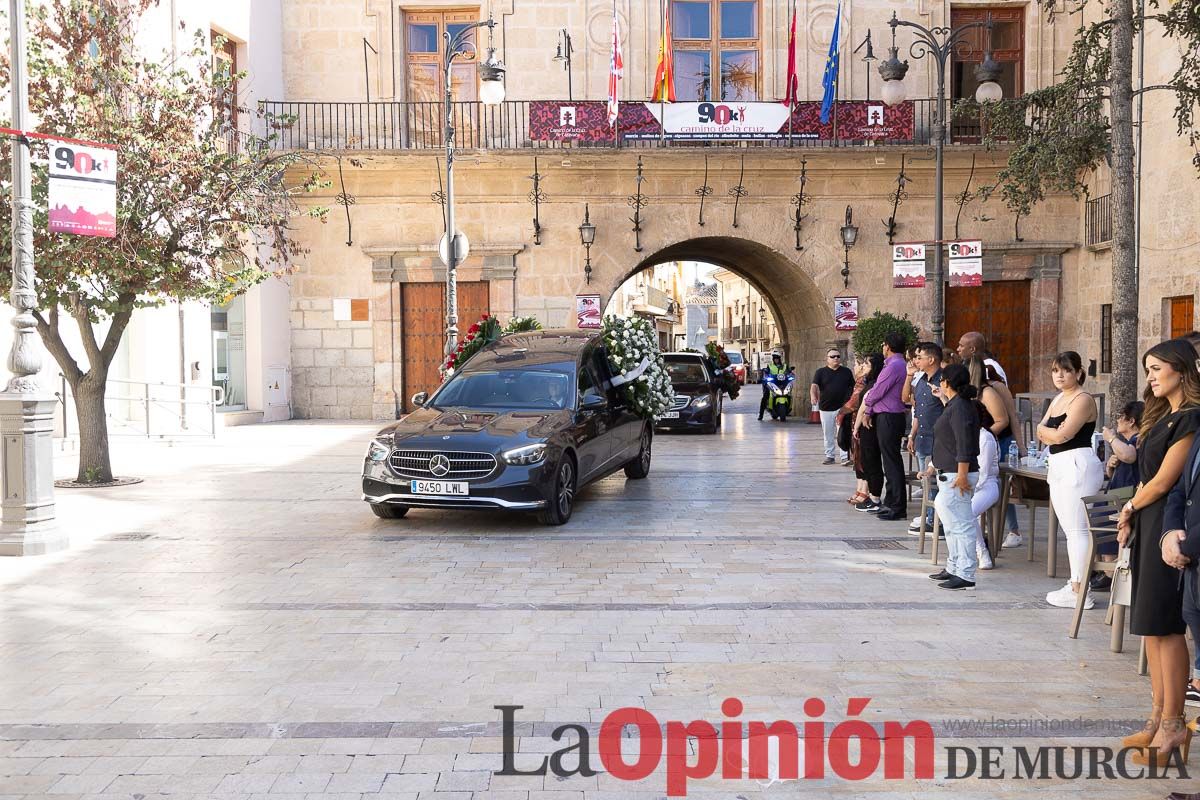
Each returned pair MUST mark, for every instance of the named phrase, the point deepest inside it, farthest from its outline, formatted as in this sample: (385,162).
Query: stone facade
(396,225)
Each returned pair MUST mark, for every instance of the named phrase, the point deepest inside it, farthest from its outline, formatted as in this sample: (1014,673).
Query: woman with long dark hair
(1073,471)
(1169,423)
(869,465)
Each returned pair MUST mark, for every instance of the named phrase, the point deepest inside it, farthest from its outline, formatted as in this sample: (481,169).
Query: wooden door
(1182,311)
(1000,311)
(423,326)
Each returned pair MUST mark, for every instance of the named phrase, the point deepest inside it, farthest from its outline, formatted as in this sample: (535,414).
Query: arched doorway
(803,315)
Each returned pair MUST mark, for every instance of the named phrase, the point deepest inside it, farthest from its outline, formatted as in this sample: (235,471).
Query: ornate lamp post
(27,525)
(587,237)
(938,43)
(563,55)
(849,233)
(491,92)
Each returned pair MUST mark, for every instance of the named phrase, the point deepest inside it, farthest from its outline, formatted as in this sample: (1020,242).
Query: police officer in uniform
(774,368)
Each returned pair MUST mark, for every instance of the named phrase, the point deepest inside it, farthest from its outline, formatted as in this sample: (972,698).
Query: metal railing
(417,125)
(1098,219)
(149,400)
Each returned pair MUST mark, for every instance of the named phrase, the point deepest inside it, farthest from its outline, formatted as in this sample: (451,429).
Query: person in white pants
(830,389)
(1074,471)
(987,490)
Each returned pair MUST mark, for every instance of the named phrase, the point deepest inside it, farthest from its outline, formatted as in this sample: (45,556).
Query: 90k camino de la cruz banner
(83,189)
(587,121)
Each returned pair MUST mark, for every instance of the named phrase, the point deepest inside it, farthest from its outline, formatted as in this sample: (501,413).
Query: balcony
(1098,220)
(417,126)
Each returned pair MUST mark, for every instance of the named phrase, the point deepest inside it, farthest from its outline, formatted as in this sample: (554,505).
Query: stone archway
(804,317)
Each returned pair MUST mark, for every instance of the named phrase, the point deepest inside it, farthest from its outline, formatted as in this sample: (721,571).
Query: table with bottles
(1030,473)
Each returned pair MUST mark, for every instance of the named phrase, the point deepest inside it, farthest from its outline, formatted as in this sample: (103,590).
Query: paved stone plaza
(240,626)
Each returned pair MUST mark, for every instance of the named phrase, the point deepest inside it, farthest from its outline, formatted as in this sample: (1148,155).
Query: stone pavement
(241,626)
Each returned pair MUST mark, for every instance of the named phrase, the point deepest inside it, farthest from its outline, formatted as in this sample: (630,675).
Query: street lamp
(491,92)
(849,239)
(587,237)
(563,55)
(940,44)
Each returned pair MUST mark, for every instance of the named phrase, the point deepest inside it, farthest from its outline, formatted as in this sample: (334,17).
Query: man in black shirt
(831,388)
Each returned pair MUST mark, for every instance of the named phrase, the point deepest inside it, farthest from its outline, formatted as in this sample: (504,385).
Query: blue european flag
(829,80)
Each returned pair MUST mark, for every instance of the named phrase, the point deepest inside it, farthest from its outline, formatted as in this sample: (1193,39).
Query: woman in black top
(1169,422)
(868,463)
(956,461)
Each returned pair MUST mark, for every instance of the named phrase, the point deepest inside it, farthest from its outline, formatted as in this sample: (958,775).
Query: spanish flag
(664,74)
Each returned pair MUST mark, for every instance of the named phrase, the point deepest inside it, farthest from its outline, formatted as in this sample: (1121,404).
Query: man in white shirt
(974,343)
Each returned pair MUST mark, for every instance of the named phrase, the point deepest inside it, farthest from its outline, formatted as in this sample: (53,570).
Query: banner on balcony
(908,265)
(966,263)
(587,121)
(83,189)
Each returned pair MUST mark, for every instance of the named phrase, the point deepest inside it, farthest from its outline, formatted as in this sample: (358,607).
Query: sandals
(857,498)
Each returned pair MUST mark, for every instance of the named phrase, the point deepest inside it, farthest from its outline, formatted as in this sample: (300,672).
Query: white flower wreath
(633,350)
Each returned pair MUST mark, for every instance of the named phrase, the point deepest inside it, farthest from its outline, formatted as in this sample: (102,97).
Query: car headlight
(379,449)
(702,402)
(525,456)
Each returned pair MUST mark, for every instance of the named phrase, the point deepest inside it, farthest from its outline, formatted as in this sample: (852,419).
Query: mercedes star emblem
(439,465)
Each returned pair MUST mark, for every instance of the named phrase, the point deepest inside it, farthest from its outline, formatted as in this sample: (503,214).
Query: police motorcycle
(779,400)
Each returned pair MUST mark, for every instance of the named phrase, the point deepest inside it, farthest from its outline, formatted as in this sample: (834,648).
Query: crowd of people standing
(956,416)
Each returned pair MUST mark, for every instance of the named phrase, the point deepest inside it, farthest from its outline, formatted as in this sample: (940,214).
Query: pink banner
(587,121)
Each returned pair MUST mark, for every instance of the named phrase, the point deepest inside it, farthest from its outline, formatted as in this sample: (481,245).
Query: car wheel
(558,510)
(640,466)
(388,511)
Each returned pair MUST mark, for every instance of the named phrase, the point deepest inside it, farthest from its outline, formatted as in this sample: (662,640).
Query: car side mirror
(593,401)
(419,399)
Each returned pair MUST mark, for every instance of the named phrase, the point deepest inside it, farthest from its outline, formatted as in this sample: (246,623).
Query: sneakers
(828,460)
(1065,598)
(870,506)
(985,559)
(1013,539)
(1100,582)
(1192,698)
(846,461)
(956,582)
(941,576)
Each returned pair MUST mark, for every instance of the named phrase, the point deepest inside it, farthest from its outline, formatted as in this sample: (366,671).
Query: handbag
(845,432)
(1122,582)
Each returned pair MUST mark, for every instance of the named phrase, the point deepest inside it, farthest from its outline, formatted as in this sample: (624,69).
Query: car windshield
(735,358)
(508,389)
(689,371)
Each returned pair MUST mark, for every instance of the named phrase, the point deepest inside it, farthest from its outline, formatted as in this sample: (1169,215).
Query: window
(1008,50)
(712,317)
(1106,338)
(724,33)
(1180,315)
(424,46)
(225,63)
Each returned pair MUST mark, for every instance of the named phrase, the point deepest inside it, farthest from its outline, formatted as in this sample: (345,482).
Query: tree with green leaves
(1060,134)
(203,212)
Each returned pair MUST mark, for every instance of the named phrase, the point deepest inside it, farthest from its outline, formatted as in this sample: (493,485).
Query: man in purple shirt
(885,412)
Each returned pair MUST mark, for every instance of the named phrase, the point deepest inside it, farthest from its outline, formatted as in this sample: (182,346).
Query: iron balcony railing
(418,126)
(1098,218)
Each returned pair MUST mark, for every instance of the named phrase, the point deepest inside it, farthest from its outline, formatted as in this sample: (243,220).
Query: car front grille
(680,402)
(463,466)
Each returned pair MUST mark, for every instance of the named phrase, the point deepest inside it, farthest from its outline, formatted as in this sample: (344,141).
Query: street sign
(908,265)
(461,251)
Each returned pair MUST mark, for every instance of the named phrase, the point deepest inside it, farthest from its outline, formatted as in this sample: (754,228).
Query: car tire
(558,510)
(640,467)
(388,510)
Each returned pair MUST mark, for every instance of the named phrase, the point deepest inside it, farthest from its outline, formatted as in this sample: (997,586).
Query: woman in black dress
(1169,422)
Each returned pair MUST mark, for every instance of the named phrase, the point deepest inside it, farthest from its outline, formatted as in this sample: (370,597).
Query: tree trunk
(1124,385)
(94,463)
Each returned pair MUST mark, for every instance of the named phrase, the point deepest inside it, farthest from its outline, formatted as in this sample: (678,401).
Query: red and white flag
(792,81)
(616,68)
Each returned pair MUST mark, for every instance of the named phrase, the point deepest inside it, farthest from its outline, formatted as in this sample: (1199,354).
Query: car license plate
(671,415)
(440,487)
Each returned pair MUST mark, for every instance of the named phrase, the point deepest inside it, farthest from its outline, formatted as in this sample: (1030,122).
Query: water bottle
(1014,455)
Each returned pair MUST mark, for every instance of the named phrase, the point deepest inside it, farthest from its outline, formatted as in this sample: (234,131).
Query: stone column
(27,514)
